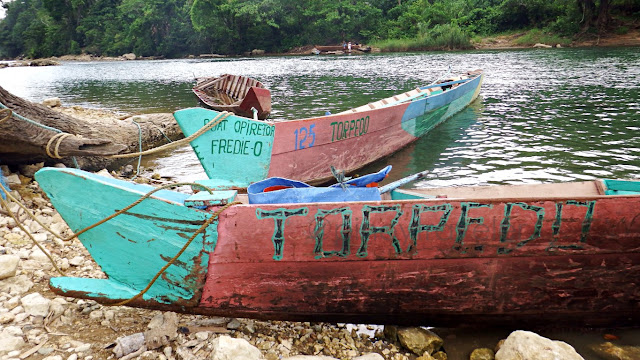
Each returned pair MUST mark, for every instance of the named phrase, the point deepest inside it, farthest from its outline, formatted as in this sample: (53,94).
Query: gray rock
(228,348)
(612,351)
(12,180)
(76,261)
(161,335)
(39,256)
(12,303)
(83,348)
(8,266)
(53,357)
(16,285)
(482,354)
(35,304)
(52,102)
(127,344)
(129,56)
(419,340)
(30,170)
(370,356)
(127,170)
(234,324)
(11,340)
(531,346)
(6,318)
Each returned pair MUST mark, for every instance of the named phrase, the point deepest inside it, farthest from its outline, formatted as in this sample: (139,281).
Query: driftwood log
(90,141)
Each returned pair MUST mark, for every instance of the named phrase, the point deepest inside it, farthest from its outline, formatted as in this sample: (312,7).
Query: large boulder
(531,346)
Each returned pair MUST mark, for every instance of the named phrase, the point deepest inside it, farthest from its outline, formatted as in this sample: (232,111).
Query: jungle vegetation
(175,28)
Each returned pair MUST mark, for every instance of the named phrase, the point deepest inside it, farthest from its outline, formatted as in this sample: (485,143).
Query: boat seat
(621,187)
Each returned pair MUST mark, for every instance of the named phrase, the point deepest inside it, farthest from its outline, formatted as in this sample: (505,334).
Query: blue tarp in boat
(278,190)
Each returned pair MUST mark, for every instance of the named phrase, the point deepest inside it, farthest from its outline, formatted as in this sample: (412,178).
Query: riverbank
(520,40)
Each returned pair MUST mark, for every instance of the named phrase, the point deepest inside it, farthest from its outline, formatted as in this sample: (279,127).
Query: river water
(543,115)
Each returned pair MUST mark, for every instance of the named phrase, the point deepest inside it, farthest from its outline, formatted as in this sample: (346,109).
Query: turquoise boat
(544,254)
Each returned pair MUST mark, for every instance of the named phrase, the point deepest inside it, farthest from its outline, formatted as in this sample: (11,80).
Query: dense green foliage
(174,28)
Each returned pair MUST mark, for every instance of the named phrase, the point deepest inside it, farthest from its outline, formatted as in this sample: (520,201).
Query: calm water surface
(543,116)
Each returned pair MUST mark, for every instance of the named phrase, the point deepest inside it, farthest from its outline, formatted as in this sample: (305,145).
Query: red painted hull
(384,136)
(493,254)
(548,262)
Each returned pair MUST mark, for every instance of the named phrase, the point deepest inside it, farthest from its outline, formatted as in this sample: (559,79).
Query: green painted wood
(238,155)
(131,248)
(621,187)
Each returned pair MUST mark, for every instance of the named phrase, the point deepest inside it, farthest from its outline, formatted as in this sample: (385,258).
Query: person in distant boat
(344,45)
(349,46)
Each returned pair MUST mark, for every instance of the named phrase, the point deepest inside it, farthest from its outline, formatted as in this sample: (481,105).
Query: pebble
(8,266)
(35,304)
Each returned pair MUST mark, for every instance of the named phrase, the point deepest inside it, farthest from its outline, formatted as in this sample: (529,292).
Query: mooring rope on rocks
(61,135)
(6,117)
(5,205)
(57,139)
(11,198)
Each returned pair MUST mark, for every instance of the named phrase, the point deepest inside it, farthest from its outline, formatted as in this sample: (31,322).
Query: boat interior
(551,190)
(526,191)
(417,93)
(226,89)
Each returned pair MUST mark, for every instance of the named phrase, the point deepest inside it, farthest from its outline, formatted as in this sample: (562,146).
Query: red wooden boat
(547,254)
(239,150)
(238,94)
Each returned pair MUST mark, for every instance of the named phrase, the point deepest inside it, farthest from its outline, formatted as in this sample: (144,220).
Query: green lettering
(279,217)
(366,230)
(415,227)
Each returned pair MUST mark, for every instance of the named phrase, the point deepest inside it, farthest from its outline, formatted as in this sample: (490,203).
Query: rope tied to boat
(5,205)
(11,198)
(6,117)
(182,250)
(211,124)
(60,136)
(57,140)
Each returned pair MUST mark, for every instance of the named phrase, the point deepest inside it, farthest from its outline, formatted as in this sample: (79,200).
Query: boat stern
(131,248)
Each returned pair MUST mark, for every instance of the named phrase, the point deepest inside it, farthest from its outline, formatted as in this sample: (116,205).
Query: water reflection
(558,115)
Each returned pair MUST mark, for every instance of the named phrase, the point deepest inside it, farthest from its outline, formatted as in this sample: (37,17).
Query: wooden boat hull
(241,151)
(544,260)
(237,94)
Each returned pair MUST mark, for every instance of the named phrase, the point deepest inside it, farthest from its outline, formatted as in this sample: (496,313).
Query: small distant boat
(238,94)
(240,150)
(327,48)
(546,254)
(335,48)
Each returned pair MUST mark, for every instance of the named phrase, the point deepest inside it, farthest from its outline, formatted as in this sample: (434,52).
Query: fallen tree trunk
(91,141)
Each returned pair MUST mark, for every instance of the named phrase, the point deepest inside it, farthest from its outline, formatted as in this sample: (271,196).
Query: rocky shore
(37,324)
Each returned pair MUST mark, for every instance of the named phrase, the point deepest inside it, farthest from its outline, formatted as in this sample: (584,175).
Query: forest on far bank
(176,28)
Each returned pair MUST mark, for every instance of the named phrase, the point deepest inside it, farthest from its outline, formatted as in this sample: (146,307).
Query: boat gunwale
(348,111)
